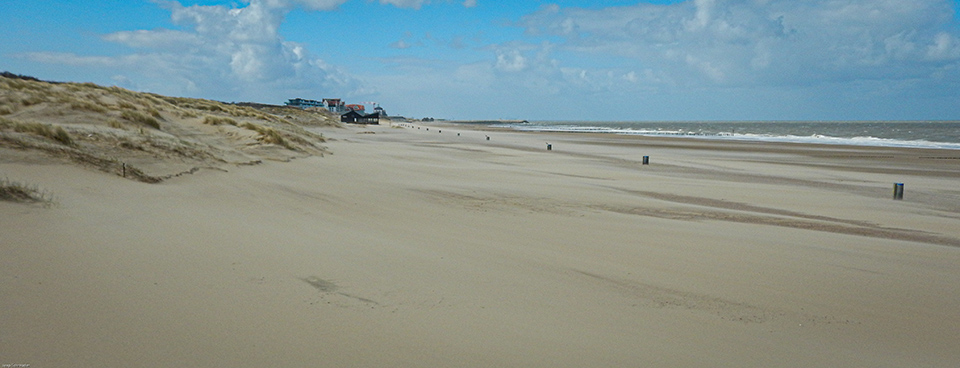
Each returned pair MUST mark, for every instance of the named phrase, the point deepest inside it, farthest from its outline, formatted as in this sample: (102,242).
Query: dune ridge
(145,136)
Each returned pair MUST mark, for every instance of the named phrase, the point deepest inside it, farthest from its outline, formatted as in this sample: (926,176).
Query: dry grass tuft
(189,115)
(17,84)
(32,100)
(87,106)
(139,118)
(217,120)
(269,135)
(43,130)
(126,105)
(17,192)
(91,85)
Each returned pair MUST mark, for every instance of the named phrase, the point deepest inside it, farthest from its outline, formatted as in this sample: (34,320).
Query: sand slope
(414,248)
(144,136)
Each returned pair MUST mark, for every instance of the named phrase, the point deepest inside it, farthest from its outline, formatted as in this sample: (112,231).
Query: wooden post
(123,171)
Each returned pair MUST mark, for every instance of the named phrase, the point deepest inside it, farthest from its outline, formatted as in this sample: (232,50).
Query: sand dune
(144,136)
(412,248)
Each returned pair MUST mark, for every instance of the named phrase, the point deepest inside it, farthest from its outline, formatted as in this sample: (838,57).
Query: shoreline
(864,141)
(708,144)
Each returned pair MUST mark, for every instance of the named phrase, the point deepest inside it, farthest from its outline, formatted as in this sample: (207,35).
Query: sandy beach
(408,247)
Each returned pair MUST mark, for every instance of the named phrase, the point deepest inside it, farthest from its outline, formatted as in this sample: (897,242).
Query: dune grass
(55,133)
(126,105)
(137,117)
(217,120)
(269,135)
(13,191)
(87,106)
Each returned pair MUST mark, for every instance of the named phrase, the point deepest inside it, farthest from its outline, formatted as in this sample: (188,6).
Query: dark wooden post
(898,191)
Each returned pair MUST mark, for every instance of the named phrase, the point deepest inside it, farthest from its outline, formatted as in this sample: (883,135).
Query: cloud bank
(716,59)
(762,42)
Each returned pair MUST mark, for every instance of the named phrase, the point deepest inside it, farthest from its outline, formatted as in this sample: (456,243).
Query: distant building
(303,103)
(358,108)
(334,105)
(379,111)
(355,117)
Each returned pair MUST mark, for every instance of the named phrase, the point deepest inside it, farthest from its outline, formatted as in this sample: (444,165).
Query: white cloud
(511,61)
(414,4)
(401,44)
(417,4)
(74,59)
(311,4)
(944,47)
(158,39)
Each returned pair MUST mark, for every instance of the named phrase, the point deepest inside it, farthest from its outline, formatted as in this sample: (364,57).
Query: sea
(917,134)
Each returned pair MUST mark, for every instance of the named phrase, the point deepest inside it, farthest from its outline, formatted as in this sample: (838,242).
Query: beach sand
(408,247)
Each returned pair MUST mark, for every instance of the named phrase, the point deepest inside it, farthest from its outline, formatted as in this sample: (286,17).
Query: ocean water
(919,134)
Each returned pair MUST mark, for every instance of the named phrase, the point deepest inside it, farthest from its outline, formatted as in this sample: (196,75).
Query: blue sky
(535,60)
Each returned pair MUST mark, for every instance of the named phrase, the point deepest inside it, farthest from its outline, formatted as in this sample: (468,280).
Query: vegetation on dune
(90,125)
(55,133)
(126,105)
(7,106)
(137,117)
(17,192)
(218,120)
(87,106)
(32,100)
(269,135)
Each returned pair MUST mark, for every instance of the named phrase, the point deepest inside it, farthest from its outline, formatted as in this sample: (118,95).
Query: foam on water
(941,135)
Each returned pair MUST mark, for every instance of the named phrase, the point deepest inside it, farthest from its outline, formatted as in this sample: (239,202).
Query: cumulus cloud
(511,61)
(246,38)
(417,4)
(307,4)
(742,43)
(401,44)
(944,47)
(220,52)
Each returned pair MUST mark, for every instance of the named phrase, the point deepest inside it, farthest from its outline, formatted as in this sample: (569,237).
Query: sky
(612,60)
